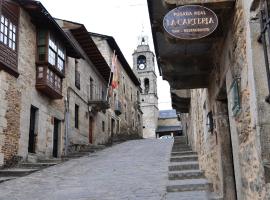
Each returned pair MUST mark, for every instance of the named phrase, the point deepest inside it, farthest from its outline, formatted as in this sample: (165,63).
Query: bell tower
(144,68)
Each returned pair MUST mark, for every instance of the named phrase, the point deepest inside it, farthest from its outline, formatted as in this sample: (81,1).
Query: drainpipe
(67,121)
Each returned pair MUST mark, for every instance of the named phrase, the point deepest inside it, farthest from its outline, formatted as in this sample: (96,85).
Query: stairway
(186,180)
(83,150)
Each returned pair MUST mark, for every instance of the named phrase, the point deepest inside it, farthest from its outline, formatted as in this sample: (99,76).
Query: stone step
(92,148)
(188,195)
(186,174)
(36,165)
(50,160)
(76,155)
(176,166)
(7,178)
(16,172)
(181,149)
(184,158)
(182,153)
(180,146)
(188,185)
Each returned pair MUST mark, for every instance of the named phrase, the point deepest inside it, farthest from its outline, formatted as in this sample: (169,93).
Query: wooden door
(55,137)
(91,130)
(32,136)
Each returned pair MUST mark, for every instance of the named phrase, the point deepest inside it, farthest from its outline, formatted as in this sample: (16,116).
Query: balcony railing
(49,82)
(98,104)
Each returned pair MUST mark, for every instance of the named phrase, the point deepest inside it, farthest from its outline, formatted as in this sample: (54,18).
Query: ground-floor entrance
(32,130)
(56,135)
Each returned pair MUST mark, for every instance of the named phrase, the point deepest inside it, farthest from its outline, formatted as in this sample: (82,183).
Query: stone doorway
(91,120)
(56,131)
(32,130)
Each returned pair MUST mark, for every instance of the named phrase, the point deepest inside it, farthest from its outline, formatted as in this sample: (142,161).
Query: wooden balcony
(48,82)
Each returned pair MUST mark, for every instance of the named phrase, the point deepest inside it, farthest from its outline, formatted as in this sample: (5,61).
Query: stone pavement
(134,170)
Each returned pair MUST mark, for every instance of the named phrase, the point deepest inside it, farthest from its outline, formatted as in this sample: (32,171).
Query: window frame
(76,116)
(11,11)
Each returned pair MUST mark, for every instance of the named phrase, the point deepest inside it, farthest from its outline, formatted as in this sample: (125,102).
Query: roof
(161,129)
(42,18)
(114,46)
(167,114)
(81,35)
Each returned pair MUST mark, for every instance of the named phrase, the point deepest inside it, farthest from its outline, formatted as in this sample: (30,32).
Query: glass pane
(10,43)
(42,50)
(5,39)
(2,28)
(1,37)
(2,19)
(14,46)
(42,41)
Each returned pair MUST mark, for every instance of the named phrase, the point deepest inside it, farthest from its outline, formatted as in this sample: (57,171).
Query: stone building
(144,68)
(86,86)
(168,124)
(125,112)
(54,84)
(220,84)
(32,69)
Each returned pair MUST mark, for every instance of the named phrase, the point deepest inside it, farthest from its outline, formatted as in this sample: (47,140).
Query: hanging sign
(190,22)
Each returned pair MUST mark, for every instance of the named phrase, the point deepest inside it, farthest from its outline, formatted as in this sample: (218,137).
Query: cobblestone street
(134,170)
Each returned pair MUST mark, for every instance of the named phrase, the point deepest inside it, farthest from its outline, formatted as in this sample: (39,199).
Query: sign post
(190,22)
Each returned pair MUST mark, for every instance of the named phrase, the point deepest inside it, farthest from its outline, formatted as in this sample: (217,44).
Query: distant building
(144,68)
(168,124)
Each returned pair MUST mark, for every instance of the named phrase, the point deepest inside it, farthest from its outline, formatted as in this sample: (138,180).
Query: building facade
(125,109)
(54,84)
(220,86)
(32,71)
(144,68)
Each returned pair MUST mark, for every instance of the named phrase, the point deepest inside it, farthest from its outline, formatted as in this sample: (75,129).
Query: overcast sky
(122,19)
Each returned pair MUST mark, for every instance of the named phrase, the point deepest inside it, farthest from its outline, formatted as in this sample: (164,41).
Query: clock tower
(144,68)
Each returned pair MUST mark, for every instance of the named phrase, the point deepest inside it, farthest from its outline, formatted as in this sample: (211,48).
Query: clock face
(141,62)
(141,66)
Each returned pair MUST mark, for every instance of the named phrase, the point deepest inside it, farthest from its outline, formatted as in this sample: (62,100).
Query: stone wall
(80,97)
(128,125)
(233,133)
(47,109)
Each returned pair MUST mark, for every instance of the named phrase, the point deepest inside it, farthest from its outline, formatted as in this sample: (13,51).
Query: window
(56,55)
(8,33)
(146,86)
(91,89)
(42,37)
(76,116)
(77,76)
(103,126)
(9,15)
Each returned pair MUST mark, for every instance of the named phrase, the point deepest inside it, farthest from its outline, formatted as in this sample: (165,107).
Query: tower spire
(143,38)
